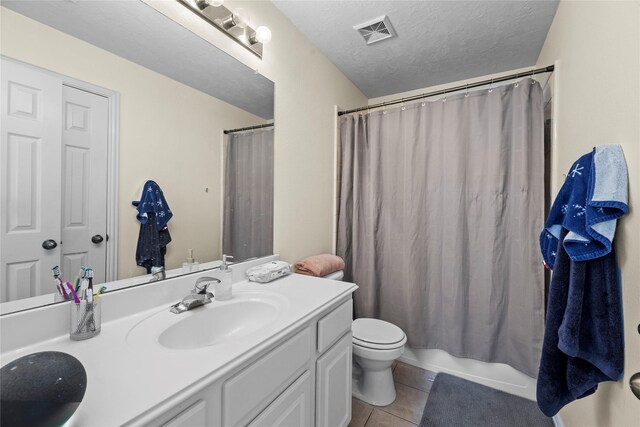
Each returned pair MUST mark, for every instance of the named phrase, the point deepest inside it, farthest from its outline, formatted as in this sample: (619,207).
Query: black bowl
(41,389)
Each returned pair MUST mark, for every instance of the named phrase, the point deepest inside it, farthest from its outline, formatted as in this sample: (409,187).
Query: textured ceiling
(437,41)
(137,32)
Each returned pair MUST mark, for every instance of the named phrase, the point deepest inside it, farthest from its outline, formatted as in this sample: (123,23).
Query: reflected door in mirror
(52,194)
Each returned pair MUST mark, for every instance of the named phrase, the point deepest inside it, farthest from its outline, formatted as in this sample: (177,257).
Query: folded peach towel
(319,265)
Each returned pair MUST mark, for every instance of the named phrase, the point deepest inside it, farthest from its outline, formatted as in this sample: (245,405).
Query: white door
(30,160)
(53,181)
(84,179)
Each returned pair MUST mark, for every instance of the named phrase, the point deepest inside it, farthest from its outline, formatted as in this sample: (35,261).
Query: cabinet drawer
(247,393)
(293,408)
(334,325)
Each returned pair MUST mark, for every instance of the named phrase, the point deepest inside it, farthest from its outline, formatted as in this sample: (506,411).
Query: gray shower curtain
(248,195)
(441,205)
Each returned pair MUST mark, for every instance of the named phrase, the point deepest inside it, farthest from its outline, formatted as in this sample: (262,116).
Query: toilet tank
(336,275)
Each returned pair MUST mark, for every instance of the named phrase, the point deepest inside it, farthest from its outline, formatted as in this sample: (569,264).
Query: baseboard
(557,421)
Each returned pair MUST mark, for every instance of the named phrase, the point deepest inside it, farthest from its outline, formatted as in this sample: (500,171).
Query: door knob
(49,244)
(634,383)
(97,239)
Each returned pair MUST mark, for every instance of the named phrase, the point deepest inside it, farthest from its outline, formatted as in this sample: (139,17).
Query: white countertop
(127,379)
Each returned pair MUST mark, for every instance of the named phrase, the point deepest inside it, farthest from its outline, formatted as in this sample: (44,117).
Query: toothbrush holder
(85,320)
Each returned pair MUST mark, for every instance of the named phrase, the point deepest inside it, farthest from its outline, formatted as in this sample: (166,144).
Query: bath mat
(456,402)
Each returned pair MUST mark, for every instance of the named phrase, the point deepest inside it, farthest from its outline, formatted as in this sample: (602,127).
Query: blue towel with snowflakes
(593,197)
(152,200)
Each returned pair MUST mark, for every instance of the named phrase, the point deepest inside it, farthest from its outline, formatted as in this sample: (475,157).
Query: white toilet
(376,344)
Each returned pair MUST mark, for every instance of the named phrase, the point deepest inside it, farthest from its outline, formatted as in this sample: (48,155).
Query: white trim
(113,149)
(557,421)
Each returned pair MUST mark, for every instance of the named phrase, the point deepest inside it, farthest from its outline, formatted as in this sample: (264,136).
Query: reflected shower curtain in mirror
(248,195)
(441,205)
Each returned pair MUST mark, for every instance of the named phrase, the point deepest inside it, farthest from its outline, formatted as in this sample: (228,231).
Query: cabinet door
(333,385)
(293,408)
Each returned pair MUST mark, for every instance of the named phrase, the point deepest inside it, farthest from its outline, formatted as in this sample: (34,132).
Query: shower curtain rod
(249,128)
(542,70)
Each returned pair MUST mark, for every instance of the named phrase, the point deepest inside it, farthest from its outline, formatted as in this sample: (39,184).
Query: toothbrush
(77,281)
(89,290)
(58,282)
(73,293)
(100,291)
(82,283)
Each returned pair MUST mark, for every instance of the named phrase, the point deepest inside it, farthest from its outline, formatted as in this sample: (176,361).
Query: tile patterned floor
(412,389)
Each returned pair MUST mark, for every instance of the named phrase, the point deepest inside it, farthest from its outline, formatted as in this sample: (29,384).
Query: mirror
(99,101)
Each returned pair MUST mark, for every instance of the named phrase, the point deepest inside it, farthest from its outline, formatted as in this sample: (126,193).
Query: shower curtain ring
(532,73)
(384,107)
(491,86)
(423,101)
(444,95)
(466,90)
(402,107)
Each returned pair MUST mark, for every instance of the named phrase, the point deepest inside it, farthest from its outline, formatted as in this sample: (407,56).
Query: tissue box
(265,273)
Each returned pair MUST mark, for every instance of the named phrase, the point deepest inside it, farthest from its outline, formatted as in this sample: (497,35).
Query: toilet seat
(377,334)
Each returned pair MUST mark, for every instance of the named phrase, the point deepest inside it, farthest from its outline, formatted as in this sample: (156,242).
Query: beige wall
(597,100)
(169,132)
(308,87)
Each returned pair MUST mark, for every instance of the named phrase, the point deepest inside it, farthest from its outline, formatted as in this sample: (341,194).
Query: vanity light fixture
(234,24)
(262,35)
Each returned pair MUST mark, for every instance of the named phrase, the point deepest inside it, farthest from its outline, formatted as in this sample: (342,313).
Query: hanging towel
(583,341)
(319,265)
(593,197)
(152,200)
(154,214)
(152,244)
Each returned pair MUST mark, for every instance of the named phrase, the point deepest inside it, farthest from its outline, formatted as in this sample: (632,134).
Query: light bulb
(263,34)
(241,18)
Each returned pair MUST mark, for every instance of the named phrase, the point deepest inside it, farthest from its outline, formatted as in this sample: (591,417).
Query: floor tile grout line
(369,417)
(407,385)
(398,416)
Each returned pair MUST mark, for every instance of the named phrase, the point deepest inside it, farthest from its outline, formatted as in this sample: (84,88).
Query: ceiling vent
(376,30)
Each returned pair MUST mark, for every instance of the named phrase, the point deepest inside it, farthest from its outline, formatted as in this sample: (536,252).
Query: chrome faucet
(198,296)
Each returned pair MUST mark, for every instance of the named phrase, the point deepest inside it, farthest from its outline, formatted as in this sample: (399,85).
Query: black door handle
(97,239)
(49,244)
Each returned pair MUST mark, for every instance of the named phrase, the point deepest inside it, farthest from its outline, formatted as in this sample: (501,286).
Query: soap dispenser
(222,291)
(191,265)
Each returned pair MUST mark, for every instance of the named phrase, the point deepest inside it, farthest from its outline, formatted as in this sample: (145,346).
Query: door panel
(30,160)
(333,386)
(22,278)
(84,194)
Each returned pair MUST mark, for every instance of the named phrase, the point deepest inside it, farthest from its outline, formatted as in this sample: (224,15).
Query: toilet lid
(375,331)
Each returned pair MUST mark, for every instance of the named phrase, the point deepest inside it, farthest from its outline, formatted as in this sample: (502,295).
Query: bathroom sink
(212,324)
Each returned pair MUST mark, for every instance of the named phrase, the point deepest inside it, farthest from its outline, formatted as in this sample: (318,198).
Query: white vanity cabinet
(303,380)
